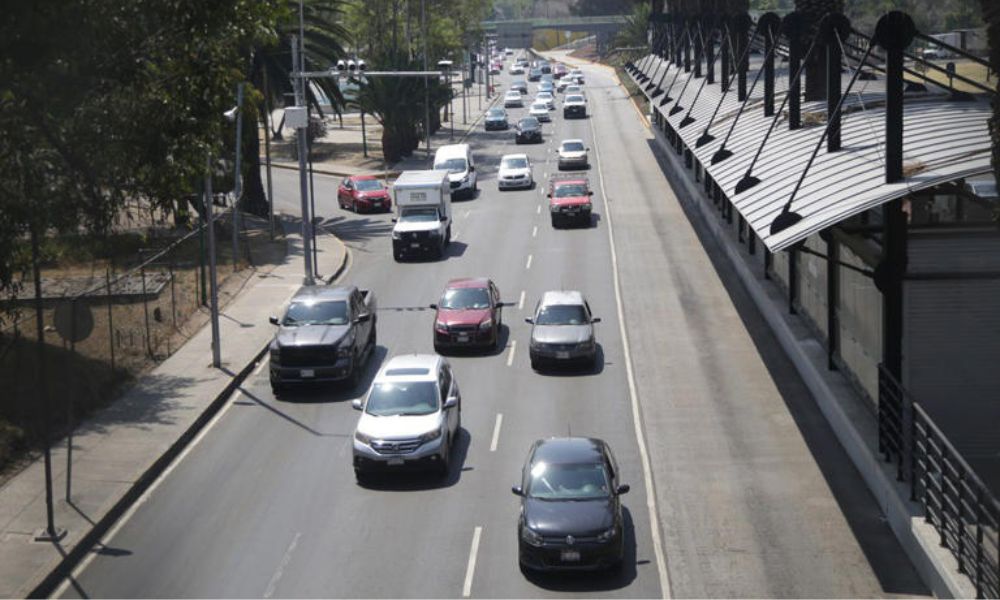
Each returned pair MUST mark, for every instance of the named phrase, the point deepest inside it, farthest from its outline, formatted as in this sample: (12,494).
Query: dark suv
(528,130)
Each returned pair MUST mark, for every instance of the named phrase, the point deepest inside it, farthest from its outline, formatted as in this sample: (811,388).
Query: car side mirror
(363,318)
(451,402)
(549,195)
(590,192)
(273,320)
(444,218)
(596,320)
(356,404)
(394,219)
(471,169)
(529,320)
(432,306)
(623,489)
(516,490)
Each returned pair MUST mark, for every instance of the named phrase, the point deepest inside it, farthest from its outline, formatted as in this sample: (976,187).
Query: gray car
(562,331)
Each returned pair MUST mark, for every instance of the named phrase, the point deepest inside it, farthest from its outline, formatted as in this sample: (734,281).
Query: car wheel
(354,205)
(397,255)
(444,467)
(447,236)
(535,364)
(555,222)
(361,477)
(276,388)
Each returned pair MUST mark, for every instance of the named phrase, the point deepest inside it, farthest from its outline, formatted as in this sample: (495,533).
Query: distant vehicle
(326,334)
(363,192)
(496,68)
(460,163)
(515,172)
(410,417)
(569,200)
(528,130)
(546,87)
(534,74)
(574,105)
(519,85)
(559,70)
(508,51)
(548,98)
(469,314)
(540,110)
(571,512)
(496,118)
(546,68)
(562,331)
(423,213)
(513,99)
(547,78)
(573,154)
(577,74)
(521,62)
(516,70)
(573,88)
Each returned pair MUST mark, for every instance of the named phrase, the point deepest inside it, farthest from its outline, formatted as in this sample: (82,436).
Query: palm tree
(270,73)
(991,14)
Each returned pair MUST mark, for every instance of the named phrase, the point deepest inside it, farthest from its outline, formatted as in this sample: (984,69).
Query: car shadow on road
(322,393)
(416,481)
(598,581)
(574,370)
(357,228)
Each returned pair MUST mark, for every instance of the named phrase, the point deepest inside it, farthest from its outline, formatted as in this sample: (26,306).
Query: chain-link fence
(107,322)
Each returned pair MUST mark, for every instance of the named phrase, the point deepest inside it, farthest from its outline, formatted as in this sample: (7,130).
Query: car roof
(410,362)
(468,282)
(571,141)
(455,150)
(323,292)
(567,181)
(363,177)
(561,297)
(568,450)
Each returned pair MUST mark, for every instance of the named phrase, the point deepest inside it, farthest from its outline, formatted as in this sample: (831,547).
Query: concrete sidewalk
(120,450)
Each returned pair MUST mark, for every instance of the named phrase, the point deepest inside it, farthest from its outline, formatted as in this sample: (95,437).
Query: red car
(569,200)
(364,193)
(469,314)
(559,70)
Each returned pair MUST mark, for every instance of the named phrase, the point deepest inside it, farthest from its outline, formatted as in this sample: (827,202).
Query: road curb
(90,539)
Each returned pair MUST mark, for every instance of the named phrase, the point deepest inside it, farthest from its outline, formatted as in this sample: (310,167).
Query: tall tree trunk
(255,200)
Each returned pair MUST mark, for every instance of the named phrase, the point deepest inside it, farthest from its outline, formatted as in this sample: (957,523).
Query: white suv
(411,417)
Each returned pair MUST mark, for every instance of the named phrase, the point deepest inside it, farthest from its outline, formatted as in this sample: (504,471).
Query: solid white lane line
(496,433)
(471,568)
(281,566)
(528,264)
(534,231)
(510,355)
(647,471)
(520,303)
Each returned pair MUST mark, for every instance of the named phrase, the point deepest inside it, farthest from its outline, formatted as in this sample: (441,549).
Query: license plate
(395,462)
(463,338)
(562,355)
(570,556)
(307,373)
(414,245)
(572,211)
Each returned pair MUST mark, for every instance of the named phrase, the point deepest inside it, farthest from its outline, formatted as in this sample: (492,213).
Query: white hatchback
(513,99)
(540,110)
(515,172)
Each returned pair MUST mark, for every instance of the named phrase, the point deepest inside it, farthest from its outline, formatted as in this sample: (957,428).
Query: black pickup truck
(326,334)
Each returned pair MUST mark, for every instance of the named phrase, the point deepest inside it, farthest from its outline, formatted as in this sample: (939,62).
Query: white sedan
(547,98)
(540,110)
(515,172)
(513,99)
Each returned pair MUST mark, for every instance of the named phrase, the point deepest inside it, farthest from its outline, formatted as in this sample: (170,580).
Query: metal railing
(963,511)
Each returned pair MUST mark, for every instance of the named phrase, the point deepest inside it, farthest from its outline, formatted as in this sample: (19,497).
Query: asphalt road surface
(753,496)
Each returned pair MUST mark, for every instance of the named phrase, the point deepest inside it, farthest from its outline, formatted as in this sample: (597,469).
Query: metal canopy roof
(943,140)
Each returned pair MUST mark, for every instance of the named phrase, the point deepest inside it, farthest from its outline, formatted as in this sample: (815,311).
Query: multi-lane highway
(751,496)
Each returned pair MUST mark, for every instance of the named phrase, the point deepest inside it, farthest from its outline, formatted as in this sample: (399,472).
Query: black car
(528,130)
(534,74)
(496,118)
(571,514)
(519,85)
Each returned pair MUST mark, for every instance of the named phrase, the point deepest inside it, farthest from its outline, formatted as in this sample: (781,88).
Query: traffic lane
(744,461)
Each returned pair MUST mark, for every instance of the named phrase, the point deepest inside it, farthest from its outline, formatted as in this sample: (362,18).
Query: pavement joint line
(647,473)
(285,559)
(496,433)
(534,231)
(527,265)
(520,303)
(470,570)
(510,355)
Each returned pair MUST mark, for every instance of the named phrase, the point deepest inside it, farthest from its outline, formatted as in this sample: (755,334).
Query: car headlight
(530,536)
(344,350)
(587,206)
(442,327)
(486,324)
(587,345)
(434,233)
(554,207)
(430,436)
(395,235)
(363,438)
(535,345)
(606,536)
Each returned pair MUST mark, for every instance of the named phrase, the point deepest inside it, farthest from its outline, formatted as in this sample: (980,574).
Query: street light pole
(237,175)
(212,281)
(427,85)
(301,134)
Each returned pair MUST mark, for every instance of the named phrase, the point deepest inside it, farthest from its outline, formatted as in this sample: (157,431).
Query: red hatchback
(364,193)
(469,314)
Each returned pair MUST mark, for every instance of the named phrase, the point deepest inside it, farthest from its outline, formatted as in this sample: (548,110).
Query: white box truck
(423,213)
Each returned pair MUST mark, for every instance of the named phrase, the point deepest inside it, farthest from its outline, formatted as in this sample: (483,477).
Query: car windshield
(573,146)
(514,163)
(316,313)
(465,299)
(573,88)
(368,185)
(574,99)
(418,215)
(539,106)
(568,481)
(984,189)
(402,398)
(528,123)
(495,112)
(561,314)
(544,96)
(570,190)
(452,165)
(513,94)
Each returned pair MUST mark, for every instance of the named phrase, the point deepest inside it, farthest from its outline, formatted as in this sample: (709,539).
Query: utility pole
(301,134)
(427,85)
(237,175)
(212,281)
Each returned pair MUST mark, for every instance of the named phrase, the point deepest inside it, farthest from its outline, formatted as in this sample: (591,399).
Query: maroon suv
(469,314)
(365,193)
